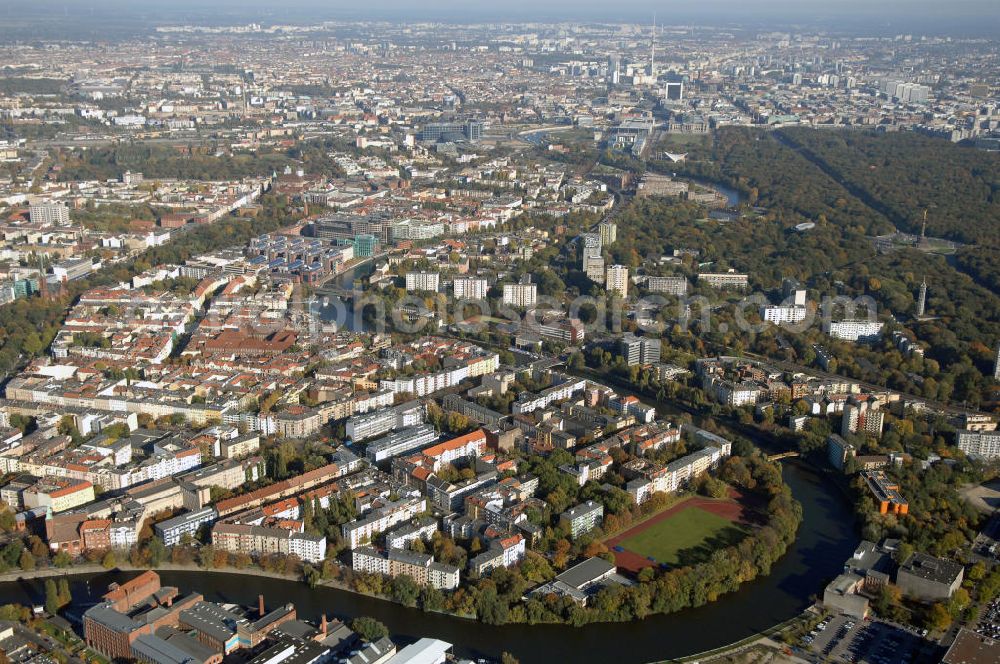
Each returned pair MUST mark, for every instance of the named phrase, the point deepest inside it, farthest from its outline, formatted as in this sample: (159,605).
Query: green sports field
(684,538)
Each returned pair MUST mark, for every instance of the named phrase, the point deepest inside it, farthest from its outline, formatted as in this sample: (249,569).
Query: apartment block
(422,281)
(979,444)
(520,295)
(470,288)
(582,518)
(667,285)
(616,280)
(396,562)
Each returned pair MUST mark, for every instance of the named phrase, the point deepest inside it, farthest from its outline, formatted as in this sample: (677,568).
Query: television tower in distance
(652,49)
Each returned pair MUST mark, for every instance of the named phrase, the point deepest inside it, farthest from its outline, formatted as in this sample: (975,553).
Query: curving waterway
(825,539)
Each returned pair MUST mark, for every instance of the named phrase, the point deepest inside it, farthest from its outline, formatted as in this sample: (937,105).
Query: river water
(341,310)
(825,539)
(733,197)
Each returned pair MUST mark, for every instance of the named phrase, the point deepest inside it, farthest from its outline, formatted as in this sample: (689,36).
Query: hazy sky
(928,15)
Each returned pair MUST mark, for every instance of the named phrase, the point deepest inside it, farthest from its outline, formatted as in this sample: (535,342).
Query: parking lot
(853,641)
(989,621)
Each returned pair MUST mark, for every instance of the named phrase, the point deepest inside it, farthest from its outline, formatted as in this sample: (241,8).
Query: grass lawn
(685,538)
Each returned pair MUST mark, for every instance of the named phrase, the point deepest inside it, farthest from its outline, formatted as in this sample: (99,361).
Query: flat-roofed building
(733,280)
(970,647)
(173,530)
(929,579)
(616,280)
(422,281)
(854,329)
(886,492)
(400,442)
(639,350)
(582,518)
(470,288)
(668,285)
(979,444)
(48,213)
(520,295)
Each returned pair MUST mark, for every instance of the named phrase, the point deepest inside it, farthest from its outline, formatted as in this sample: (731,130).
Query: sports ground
(683,534)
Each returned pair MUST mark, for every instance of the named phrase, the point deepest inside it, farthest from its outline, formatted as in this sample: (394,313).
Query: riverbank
(825,539)
(95,568)
(666,591)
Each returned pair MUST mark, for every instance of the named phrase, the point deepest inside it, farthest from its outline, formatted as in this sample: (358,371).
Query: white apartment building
(861,418)
(361,531)
(470,288)
(429,383)
(980,444)
(502,553)
(780,313)
(472,444)
(422,281)
(853,329)
(616,280)
(668,285)
(48,213)
(724,279)
(737,394)
(520,295)
(310,548)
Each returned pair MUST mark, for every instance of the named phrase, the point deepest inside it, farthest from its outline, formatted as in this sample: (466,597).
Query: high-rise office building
(364,245)
(673,91)
(470,130)
(614,69)
(347,226)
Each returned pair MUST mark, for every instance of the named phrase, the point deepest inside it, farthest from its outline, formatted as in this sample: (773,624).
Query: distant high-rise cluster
(903,91)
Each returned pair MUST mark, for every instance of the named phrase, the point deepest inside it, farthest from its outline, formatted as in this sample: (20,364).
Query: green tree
(157,551)
(51,597)
(369,629)
(404,589)
(65,594)
(27,561)
(109,560)
(938,617)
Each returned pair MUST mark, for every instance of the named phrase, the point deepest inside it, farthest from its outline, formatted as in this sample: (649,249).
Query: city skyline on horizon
(117,17)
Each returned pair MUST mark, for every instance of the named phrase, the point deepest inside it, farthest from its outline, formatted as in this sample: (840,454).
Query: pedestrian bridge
(783,455)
